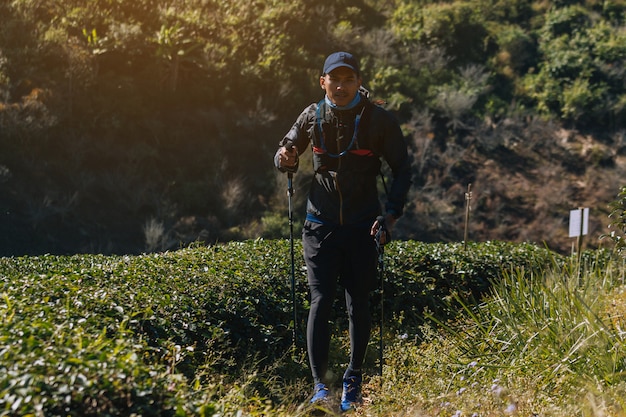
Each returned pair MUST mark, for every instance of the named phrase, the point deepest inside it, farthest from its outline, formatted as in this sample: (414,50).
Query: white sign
(575,221)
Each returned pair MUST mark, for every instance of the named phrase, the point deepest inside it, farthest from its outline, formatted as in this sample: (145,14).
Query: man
(348,136)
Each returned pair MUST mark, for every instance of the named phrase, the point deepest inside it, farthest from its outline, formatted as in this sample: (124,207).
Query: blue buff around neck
(356,100)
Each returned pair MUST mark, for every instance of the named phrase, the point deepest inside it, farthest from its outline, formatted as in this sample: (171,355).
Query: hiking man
(348,136)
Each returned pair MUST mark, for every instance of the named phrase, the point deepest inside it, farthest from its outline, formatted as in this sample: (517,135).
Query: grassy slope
(205,331)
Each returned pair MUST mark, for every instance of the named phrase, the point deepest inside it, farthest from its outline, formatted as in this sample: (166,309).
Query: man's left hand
(389,222)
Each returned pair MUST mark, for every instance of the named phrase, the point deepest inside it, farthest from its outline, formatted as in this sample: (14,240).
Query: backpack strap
(320,132)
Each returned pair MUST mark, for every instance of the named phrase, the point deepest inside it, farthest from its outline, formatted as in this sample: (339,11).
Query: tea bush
(172,333)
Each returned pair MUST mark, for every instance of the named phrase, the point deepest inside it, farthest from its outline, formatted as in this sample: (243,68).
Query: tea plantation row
(157,334)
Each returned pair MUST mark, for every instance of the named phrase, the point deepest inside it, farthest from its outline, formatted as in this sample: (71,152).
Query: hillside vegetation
(129,127)
(207,332)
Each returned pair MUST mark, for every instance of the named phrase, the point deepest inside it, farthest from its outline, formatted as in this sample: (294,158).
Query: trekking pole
(381,271)
(293,271)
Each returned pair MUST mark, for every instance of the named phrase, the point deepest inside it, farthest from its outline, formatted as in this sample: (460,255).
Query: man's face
(341,85)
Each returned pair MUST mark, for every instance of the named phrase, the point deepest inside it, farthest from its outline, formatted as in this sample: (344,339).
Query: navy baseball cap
(340,59)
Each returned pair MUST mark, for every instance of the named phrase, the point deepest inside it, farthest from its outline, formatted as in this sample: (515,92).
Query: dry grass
(540,346)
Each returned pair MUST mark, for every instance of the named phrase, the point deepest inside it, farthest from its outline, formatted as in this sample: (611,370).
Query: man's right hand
(288,159)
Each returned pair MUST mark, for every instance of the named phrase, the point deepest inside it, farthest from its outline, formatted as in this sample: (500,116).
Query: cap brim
(334,67)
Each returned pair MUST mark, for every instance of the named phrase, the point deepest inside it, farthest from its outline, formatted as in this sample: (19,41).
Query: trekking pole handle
(291,170)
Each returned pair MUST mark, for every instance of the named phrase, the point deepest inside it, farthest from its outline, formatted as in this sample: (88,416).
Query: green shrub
(434,277)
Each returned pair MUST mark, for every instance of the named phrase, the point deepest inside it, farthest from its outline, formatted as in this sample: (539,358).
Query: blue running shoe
(320,393)
(351,396)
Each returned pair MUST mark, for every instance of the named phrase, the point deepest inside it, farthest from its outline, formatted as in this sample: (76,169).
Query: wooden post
(468,208)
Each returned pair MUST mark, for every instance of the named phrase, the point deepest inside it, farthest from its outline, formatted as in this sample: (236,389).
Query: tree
(581,69)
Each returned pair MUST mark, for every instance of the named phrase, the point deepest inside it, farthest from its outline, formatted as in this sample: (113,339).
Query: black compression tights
(318,328)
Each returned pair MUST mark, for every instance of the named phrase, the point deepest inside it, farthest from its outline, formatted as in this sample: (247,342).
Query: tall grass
(548,344)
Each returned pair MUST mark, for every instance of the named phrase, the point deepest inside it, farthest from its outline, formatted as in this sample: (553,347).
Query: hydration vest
(342,137)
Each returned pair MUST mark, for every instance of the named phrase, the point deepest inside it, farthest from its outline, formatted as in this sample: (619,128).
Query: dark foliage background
(130,127)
